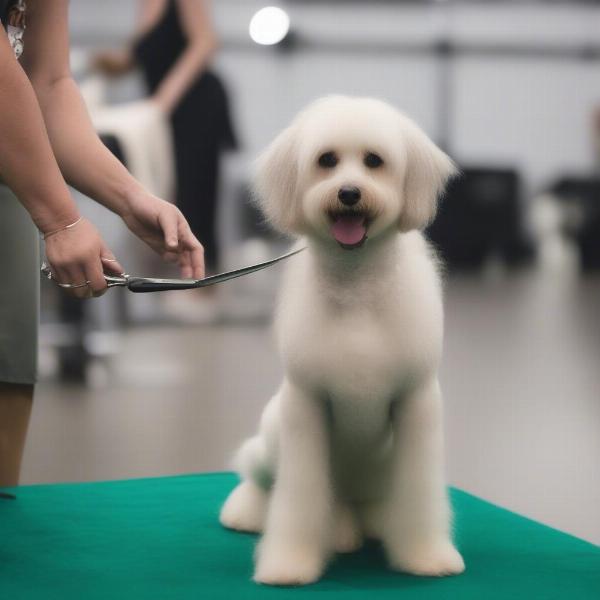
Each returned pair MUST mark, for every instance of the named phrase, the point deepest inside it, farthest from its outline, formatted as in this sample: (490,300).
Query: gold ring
(71,286)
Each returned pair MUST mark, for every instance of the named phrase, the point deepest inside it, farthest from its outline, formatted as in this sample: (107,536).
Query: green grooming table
(160,538)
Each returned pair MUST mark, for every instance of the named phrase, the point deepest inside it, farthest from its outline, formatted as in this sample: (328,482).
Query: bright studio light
(269,26)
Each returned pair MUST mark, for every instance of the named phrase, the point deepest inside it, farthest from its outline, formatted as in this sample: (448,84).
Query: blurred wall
(503,108)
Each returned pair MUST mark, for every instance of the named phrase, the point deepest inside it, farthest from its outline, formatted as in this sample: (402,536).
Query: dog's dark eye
(328,160)
(373,160)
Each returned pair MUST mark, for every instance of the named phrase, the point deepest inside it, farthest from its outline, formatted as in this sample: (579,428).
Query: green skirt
(19,292)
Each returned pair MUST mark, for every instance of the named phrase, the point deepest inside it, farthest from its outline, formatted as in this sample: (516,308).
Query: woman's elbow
(210,45)
(214,43)
(206,45)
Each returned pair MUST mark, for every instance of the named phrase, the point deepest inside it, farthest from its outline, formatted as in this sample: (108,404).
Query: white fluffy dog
(351,446)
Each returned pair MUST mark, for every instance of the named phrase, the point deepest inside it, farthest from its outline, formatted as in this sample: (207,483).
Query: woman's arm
(118,61)
(29,168)
(201,44)
(84,161)
(27,164)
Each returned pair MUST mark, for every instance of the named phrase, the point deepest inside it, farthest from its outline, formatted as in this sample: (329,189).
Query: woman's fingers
(84,280)
(197,261)
(110,263)
(76,276)
(60,274)
(185,265)
(94,272)
(168,221)
(193,248)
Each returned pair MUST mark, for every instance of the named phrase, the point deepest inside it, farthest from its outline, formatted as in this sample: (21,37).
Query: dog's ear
(276,181)
(427,172)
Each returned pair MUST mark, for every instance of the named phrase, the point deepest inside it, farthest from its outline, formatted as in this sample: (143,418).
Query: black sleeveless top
(160,47)
(204,110)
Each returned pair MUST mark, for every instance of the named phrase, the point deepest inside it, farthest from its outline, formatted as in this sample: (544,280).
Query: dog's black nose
(349,195)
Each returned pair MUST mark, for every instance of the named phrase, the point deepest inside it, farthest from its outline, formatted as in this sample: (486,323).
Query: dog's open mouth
(349,228)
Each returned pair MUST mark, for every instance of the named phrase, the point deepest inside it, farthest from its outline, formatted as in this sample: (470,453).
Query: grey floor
(521,377)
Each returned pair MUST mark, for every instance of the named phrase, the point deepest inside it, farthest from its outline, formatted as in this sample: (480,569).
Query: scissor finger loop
(111,280)
(116,281)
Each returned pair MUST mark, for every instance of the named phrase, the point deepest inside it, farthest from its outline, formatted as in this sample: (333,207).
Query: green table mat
(160,538)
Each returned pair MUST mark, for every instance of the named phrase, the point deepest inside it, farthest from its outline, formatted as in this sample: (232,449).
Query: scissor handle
(140,285)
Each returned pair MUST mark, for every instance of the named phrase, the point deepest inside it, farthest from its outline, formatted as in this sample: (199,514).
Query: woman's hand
(79,255)
(162,226)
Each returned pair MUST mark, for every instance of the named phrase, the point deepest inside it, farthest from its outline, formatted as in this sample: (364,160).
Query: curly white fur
(351,446)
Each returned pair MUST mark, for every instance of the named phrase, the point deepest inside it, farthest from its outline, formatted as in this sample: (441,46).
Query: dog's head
(348,169)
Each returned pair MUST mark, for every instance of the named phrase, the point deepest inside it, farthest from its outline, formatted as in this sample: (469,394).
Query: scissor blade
(243,271)
(147,284)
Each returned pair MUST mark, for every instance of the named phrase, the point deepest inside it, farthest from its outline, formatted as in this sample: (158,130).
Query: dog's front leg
(297,538)
(416,532)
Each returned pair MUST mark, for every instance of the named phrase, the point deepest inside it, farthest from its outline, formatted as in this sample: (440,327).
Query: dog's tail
(252,462)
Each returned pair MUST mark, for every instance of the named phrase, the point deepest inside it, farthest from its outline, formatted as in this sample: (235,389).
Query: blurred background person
(173,46)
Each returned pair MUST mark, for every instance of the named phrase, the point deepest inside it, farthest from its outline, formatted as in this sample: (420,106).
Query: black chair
(581,196)
(480,215)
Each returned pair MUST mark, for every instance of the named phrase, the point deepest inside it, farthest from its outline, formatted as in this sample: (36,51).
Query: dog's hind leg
(246,507)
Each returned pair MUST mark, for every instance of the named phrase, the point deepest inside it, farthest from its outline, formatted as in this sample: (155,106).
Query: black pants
(202,128)
(197,173)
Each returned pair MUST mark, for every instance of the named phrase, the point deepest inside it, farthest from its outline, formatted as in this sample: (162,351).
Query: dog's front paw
(288,564)
(437,559)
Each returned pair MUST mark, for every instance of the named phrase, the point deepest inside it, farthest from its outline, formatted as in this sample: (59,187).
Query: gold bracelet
(45,236)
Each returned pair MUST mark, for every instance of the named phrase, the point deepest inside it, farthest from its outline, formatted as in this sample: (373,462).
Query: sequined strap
(16,15)
(15,26)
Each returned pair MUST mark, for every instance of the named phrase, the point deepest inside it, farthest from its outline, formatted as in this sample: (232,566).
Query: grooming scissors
(142,285)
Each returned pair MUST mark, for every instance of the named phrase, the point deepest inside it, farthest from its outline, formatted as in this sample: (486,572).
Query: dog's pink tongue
(348,229)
